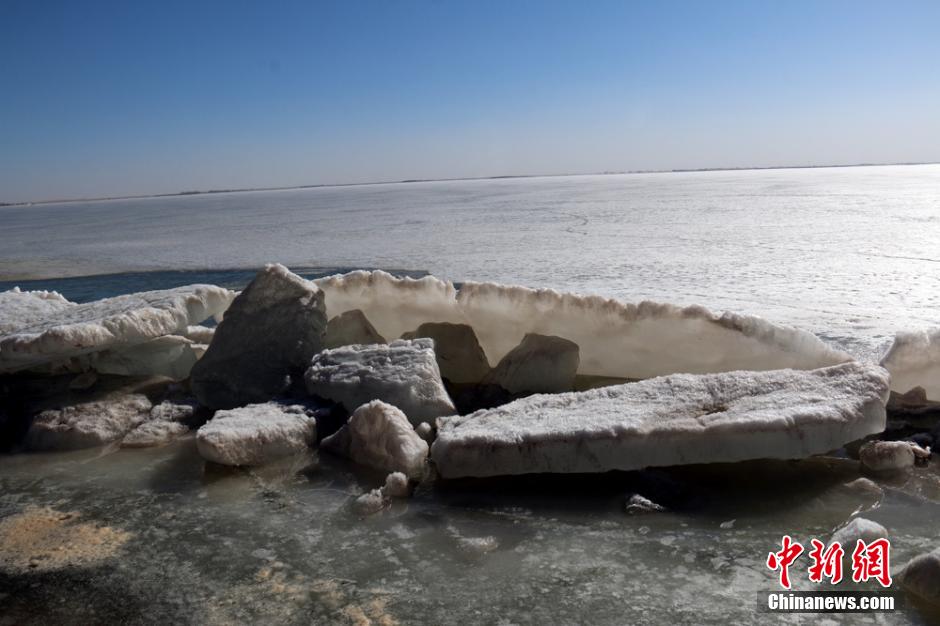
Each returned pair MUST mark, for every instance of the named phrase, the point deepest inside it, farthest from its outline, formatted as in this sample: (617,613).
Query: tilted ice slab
(616,339)
(78,329)
(673,420)
(638,340)
(914,361)
(393,305)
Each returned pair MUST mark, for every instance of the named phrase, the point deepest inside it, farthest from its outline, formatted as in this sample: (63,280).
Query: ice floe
(272,329)
(914,361)
(403,373)
(380,436)
(256,434)
(63,331)
(672,420)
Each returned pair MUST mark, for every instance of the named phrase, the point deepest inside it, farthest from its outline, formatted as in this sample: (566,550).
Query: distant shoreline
(441,180)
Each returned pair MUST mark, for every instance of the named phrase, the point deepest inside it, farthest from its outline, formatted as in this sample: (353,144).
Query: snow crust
(914,361)
(403,373)
(616,339)
(256,434)
(271,329)
(673,420)
(380,436)
(68,330)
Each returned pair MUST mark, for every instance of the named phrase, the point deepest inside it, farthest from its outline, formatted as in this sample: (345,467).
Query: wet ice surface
(848,253)
(282,544)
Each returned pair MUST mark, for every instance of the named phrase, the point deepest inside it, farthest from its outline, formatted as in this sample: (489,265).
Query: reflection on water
(206,544)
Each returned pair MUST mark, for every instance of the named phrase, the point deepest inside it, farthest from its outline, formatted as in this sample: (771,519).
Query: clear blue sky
(107,98)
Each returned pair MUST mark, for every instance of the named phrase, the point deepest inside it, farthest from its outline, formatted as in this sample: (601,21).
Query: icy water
(159,536)
(204,545)
(849,253)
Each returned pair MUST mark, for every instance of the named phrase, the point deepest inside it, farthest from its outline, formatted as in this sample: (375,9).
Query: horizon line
(455,179)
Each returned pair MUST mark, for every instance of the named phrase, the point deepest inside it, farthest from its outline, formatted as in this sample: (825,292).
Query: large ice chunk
(539,364)
(380,436)
(672,420)
(403,373)
(272,329)
(914,361)
(459,355)
(69,330)
(638,341)
(393,305)
(256,434)
(88,424)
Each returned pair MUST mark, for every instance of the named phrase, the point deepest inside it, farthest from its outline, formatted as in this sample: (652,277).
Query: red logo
(783,559)
(869,561)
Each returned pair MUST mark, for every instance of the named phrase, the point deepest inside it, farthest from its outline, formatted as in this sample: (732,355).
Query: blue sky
(110,98)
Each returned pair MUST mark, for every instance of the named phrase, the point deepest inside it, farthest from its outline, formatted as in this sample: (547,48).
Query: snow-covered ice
(21,308)
(272,328)
(380,436)
(403,373)
(539,364)
(349,328)
(458,351)
(256,434)
(672,420)
(72,330)
(914,361)
(88,424)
